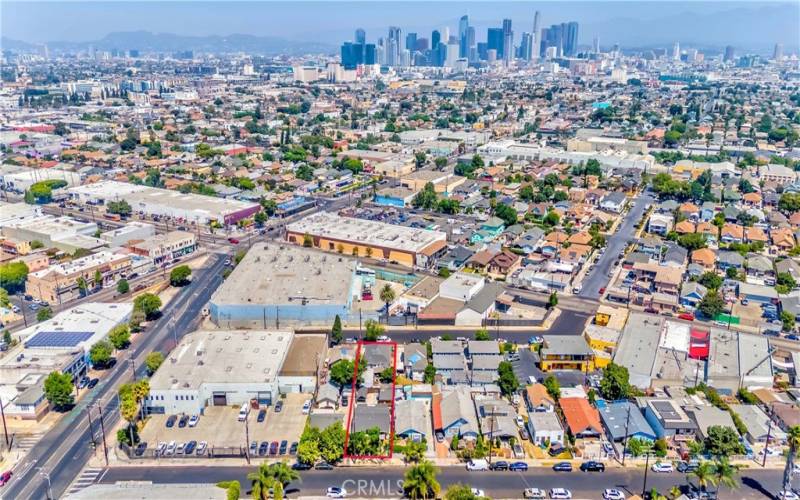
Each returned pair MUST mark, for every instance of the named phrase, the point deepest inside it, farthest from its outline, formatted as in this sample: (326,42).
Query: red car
(686,316)
(602,291)
(5,478)
(233,240)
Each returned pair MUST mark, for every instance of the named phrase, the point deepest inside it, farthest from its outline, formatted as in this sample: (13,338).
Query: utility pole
(49,486)
(766,446)
(91,427)
(646,467)
(247,435)
(625,445)
(103,431)
(5,429)
(133,366)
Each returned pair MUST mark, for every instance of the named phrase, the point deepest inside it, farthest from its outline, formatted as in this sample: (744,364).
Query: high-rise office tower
(422,44)
(596,45)
(537,36)
(508,41)
(463,25)
(676,52)
(411,41)
(777,52)
(494,41)
(393,46)
(361,36)
(526,47)
(482,50)
(370,54)
(436,37)
(472,53)
(452,54)
(446,34)
(352,55)
(570,38)
(729,54)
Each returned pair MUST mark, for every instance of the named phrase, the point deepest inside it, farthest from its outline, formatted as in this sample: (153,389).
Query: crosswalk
(28,441)
(87,477)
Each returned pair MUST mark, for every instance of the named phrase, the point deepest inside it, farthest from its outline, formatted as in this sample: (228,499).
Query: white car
(201,447)
(193,421)
(612,494)
(179,448)
(520,421)
(161,447)
(478,493)
(306,407)
(535,493)
(170,449)
(383,338)
(335,492)
(787,495)
(665,467)
(561,493)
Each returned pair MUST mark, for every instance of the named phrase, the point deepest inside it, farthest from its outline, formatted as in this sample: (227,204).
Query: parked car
(536,339)
(535,493)
(523,434)
(664,467)
(563,467)
(253,447)
(293,449)
(171,421)
(183,421)
(560,493)
(683,316)
(190,446)
(283,447)
(273,448)
(193,420)
(499,465)
(518,466)
(5,477)
(201,448)
(263,448)
(180,448)
(279,406)
(262,414)
(592,466)
(93,382)
(307,407)
(301,466)
(323,466)
(690,466)
(477,464)
(233,241)
(477,492)
(613,494)
(139,451)
(335,492)
(787,495)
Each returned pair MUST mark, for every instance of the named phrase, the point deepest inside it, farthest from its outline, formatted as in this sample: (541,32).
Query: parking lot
(525,367)
(219,425)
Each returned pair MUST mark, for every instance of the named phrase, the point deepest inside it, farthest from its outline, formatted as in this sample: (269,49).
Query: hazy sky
(632,22)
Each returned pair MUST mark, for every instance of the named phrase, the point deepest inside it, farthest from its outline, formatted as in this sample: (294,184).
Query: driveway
(598,278)
(526,367)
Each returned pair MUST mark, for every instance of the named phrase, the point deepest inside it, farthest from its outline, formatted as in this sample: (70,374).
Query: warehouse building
(278,284)
(219,368)
(64,233)
(61,282)
(189,207)
(350,236)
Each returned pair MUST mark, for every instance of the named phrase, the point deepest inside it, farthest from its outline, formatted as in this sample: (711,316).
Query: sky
(758,25)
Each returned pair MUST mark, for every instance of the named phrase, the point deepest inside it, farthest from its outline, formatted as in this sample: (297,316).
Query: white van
(243,412)
(478,464)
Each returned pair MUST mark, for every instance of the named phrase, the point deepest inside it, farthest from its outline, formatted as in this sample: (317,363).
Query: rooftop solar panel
(58,339)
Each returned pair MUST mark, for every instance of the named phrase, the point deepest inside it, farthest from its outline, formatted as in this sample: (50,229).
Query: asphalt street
(63,451)
(386,481)
(598,278)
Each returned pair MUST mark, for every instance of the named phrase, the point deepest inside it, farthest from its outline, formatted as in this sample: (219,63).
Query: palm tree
(675,492)
(794,444)
(704,475)
(387,296)
(275,477)
(282,473)
(725,474)
(420,481)
(261,482)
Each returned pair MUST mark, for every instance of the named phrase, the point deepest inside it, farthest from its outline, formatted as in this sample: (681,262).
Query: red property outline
(353,403)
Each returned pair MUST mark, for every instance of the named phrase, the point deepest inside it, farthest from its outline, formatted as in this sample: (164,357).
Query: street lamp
(49,486)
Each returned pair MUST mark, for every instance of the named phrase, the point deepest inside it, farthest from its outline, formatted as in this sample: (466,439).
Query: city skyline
(631,24)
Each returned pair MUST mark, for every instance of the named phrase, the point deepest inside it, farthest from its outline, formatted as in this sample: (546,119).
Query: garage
(220,399)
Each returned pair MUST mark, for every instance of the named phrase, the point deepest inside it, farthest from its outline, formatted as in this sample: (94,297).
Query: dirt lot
(219,425)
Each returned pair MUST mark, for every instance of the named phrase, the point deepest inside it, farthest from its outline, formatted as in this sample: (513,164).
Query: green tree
(387,296)
(615,383)
(120,337)
(123,286)
(552,300)
(506,213)
(414,451)
(83,287)
(692,241)
(793,437)
(100,353)
(508,380)
(179,276)
(482,334)
(336,331)
(711,280)
(788,321)
(725,474)
(44,314)
(723,441)
(789,202)
(331,442)
(153,361)
(98,278)
(58,390)
(420,481)
(430,374)
(704,475)
(426,198)
(712,304)
(373,330)
(122,208)
(13,276)
(308,241)
(459,492)
(553,387)
(149,304)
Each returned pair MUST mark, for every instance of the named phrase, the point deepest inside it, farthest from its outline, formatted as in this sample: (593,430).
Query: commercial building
(165,247)
(566,352)
(359,237)
(277,284)
(59,344)
(219,368)
(64,233)
(131,231)
(191,208)
(20,179)
(61,282)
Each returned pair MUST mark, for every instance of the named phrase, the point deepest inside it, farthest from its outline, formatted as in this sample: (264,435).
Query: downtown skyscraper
(508,42)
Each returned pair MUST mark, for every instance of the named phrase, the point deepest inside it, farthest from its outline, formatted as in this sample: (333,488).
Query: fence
(210,452)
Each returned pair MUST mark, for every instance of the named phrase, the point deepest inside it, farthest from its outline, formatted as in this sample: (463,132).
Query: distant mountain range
(146,41)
